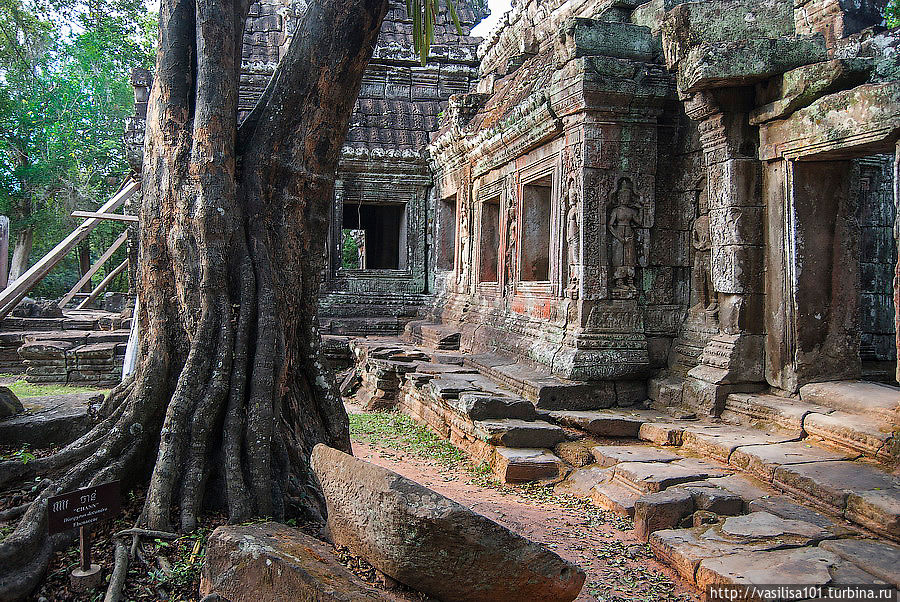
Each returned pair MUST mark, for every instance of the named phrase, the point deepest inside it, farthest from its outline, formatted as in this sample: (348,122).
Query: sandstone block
(662,510)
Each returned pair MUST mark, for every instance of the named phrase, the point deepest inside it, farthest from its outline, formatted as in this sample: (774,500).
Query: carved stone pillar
(733,359)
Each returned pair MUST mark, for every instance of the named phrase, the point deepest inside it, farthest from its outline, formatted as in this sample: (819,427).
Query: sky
(498,9)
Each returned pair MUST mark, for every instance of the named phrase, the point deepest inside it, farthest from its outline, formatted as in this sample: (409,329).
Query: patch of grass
(24,389)
(398,431)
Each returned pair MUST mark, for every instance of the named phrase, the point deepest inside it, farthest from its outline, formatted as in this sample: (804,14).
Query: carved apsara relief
(627,226)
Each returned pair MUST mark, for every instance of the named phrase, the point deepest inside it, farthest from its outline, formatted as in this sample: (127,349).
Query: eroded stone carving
(624,222)
(703,294)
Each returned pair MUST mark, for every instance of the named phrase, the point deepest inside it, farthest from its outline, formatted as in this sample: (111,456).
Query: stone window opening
(534,244)
(445,233)
(489,242)
(376,234)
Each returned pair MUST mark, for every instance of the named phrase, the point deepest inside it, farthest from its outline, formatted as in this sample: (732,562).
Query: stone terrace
(778,489)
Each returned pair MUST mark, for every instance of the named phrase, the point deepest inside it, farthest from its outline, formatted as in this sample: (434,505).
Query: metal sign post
(80,509)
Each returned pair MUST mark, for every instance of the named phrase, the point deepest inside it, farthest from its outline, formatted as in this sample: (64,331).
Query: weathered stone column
(732,360)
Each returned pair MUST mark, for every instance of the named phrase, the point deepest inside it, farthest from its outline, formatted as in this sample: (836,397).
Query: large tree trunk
(231,391)
(21,253)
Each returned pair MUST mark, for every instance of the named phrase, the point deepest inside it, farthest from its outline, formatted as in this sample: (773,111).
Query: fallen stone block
(270,561)
(432,543)
(615,497)
(710,498)
(662,510)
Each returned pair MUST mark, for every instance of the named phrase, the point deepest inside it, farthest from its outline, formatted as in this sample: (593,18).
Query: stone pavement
(776,490)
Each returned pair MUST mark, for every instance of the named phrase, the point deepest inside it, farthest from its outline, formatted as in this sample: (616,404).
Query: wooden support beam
(16,291)
(90,273)
(103,284)
(119,217)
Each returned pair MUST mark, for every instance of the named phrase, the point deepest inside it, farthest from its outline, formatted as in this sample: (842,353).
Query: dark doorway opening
(385,233)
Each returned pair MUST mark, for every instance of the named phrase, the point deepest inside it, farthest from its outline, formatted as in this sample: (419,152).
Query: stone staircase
(804,484)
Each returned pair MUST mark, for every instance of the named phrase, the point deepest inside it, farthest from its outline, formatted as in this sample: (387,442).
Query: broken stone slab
(615,497)
(50,420)
(432,543)
(650,477)
(759,525)
(685,549)
(610,455)
(9,403)
(511,432)
(786,508)
(878,558)
(661,433)
(270,561)
(438,368)
(521,465)
(866,435)
(448,387)
(719,441)
(582,481)
(482,406)
(746,486)
(602,423)
(762,460)
(662,510)
(797,566)
(862,493)
(709,498)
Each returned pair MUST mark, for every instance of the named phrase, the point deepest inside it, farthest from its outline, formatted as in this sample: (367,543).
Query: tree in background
(892,14)
(64,98)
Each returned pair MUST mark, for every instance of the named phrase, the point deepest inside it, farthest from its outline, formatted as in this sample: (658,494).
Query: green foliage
(892,14)
(24,389)
(424,15)
(349,251)
(399,431)
(22,455)
(65,95)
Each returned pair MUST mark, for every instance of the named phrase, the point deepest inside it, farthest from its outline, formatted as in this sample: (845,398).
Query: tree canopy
(64,99)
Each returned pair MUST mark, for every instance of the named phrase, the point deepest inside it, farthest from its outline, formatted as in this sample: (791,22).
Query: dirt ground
(618,566)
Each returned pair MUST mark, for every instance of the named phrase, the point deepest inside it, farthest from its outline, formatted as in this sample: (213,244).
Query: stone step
(581,481)
(550,392)
(607,423)
(856,397)
(857,491)
(610,455)
(481,405)
(615,497)
(718,441)
(762,460)
(686,549)
(512,432)
(769,412)
(855,434)
(650,477)
(519,465)
(878,558)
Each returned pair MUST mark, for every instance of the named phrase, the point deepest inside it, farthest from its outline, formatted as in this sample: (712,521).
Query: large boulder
(270,561)
(9,403)
(432,543)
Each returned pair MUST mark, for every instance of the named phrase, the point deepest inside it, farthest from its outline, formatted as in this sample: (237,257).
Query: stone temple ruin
(669,223)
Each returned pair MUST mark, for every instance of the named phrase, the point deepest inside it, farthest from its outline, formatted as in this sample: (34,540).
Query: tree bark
(231,390)
(21,253)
